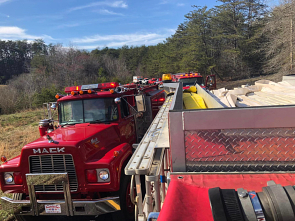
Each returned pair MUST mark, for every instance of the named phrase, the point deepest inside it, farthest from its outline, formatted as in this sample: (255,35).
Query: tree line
(234,40)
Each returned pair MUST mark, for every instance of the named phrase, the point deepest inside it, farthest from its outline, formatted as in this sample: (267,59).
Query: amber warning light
(3,159)
(116,153)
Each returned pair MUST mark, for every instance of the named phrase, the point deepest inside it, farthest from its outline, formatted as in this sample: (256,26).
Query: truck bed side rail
(151,160)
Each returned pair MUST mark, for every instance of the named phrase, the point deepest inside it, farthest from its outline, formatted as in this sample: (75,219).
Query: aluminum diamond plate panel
(240,149)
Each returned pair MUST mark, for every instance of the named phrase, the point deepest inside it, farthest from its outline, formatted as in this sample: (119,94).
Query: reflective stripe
(114,204)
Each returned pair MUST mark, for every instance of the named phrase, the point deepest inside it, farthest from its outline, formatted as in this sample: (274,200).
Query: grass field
(16,130)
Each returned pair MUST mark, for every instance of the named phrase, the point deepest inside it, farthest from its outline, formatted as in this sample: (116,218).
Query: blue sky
(89,24)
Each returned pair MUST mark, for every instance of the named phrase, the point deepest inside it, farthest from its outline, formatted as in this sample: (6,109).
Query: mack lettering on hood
(49,150)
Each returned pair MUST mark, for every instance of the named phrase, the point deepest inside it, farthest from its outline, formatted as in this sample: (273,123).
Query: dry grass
(16,130)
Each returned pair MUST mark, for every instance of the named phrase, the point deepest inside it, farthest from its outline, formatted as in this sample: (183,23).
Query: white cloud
(3,1)
(180,4)
(70,25)
(16,33)
(116,4)
(107,12)
(134,39)
(170,31)
(127,37)
(90,47)
(163,2)
(4,15)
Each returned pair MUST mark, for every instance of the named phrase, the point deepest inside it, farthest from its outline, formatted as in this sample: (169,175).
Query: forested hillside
(236,39)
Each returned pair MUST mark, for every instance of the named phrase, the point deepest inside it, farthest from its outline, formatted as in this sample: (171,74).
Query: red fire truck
(76,168)
(190,79)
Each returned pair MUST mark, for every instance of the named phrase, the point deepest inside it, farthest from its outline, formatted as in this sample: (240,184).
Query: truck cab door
(210,82)
(127,123)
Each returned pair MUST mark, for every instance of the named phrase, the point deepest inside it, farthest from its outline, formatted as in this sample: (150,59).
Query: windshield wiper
(95,121)
(99,121)
(68,124)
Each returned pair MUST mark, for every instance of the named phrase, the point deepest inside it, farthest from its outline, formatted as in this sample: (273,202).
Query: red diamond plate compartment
(240,145)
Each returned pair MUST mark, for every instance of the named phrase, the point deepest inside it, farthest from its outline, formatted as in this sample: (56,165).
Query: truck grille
(54,164)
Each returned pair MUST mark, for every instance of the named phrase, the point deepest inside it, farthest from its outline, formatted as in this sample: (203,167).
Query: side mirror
(53,106)
(117,100)
(140,103)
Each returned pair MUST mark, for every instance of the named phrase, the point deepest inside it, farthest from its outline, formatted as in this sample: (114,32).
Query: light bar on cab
(100,86)
(68,90)
(187,75)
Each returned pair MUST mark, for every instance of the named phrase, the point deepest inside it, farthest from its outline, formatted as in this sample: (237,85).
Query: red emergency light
(91,87)
(68,90)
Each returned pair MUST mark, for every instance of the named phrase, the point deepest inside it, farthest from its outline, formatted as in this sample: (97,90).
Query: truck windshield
(90,110)
(192,81)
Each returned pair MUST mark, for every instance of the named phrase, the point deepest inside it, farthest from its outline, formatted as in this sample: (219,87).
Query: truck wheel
(127,207)
(127,212)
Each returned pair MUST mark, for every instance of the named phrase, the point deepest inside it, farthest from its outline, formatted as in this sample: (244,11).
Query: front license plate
(55,208)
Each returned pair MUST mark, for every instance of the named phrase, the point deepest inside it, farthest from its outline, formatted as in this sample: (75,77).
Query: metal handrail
(132,198)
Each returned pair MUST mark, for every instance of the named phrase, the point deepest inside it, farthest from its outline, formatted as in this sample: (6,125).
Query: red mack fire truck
(76,168)
(190,79)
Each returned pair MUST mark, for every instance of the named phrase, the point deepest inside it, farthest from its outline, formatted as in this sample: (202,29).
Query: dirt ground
(250,81)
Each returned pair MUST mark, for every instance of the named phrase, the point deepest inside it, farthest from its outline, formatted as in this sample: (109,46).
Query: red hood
(88,139)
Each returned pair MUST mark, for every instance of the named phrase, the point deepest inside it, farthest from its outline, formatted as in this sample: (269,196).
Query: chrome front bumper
(66,207)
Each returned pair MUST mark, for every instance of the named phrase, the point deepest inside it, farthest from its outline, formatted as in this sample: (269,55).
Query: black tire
(127,212)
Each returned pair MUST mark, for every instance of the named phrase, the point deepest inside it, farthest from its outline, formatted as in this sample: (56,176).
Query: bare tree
(279,30)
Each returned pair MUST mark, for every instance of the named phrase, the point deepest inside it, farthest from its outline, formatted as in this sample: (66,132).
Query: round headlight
(8,178)
(104,175)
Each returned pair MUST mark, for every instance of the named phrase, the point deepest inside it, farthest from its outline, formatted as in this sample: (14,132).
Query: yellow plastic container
(191,89)
(193,101)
